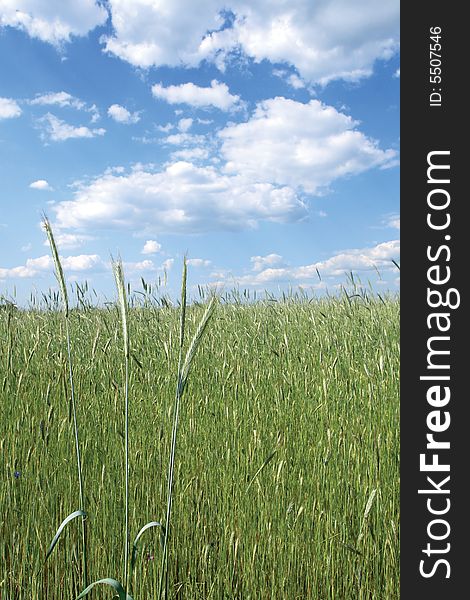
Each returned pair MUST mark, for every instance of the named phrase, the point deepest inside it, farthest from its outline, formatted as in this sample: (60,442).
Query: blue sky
(259,139)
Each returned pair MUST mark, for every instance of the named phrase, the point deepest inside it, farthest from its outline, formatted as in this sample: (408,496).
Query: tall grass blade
(183,306)
(122,298)
(117,587)
(57,264)
(55,539)
(369,504)
(266,461)
(196,341)
(63,290)
(137,537)
(121,289)
(183,372)
(164,567)
(367,509)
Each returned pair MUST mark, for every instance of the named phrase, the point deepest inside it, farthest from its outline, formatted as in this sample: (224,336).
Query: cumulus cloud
(54,21)
(151,247)
(308,145)
(190,154)
(139,267)
(393,221)
(82,262)
(217,95)
(69,240)
(42,264)
(185,124)
(356,260)
(61,99)
(295,81)
(364,259)
(40,184)
(9,109)
(291,78)
(56,130)
(182,197)
(146,33)
(337,39)
(198,262)
(261,262)
(323,40)
(167,264)
(65,100)
(184,139)
(122,115)
(300,149)
(165,128)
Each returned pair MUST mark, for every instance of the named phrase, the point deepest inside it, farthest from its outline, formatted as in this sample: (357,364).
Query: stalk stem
(77,450)
(126,546)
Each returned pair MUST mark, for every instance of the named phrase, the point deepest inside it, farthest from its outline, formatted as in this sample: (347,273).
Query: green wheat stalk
(123,307)
(183,372)
(65,304)
(122,590)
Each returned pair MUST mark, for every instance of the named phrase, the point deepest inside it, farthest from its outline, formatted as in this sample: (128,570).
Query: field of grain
(286,473)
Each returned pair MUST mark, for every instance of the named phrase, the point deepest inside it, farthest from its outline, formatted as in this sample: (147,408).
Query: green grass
(288,424)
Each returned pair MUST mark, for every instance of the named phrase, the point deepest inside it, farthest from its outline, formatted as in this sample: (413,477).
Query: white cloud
(65,100)
(295,81)
(184,139)
(308,145)
(181,198)
(261,262)
(61,99)
(357,260)
(151,247)
(393,221)
(40,184)
(43,264)
(291,78)
(95,114)
(9,109)
(165,128)
(27,247)
(147,33)
(190,154)
(337,39)
(198,262)
(83,262)
(122,115)
(185,124)
(397,74)
(69,240)
(56,130)
(53,21)
(300,148)
(363,259)
(216,95)
(323,40)
(143,139)
(168,264)
(139,267)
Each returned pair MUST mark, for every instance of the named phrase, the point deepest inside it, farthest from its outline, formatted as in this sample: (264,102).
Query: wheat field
(286,469)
